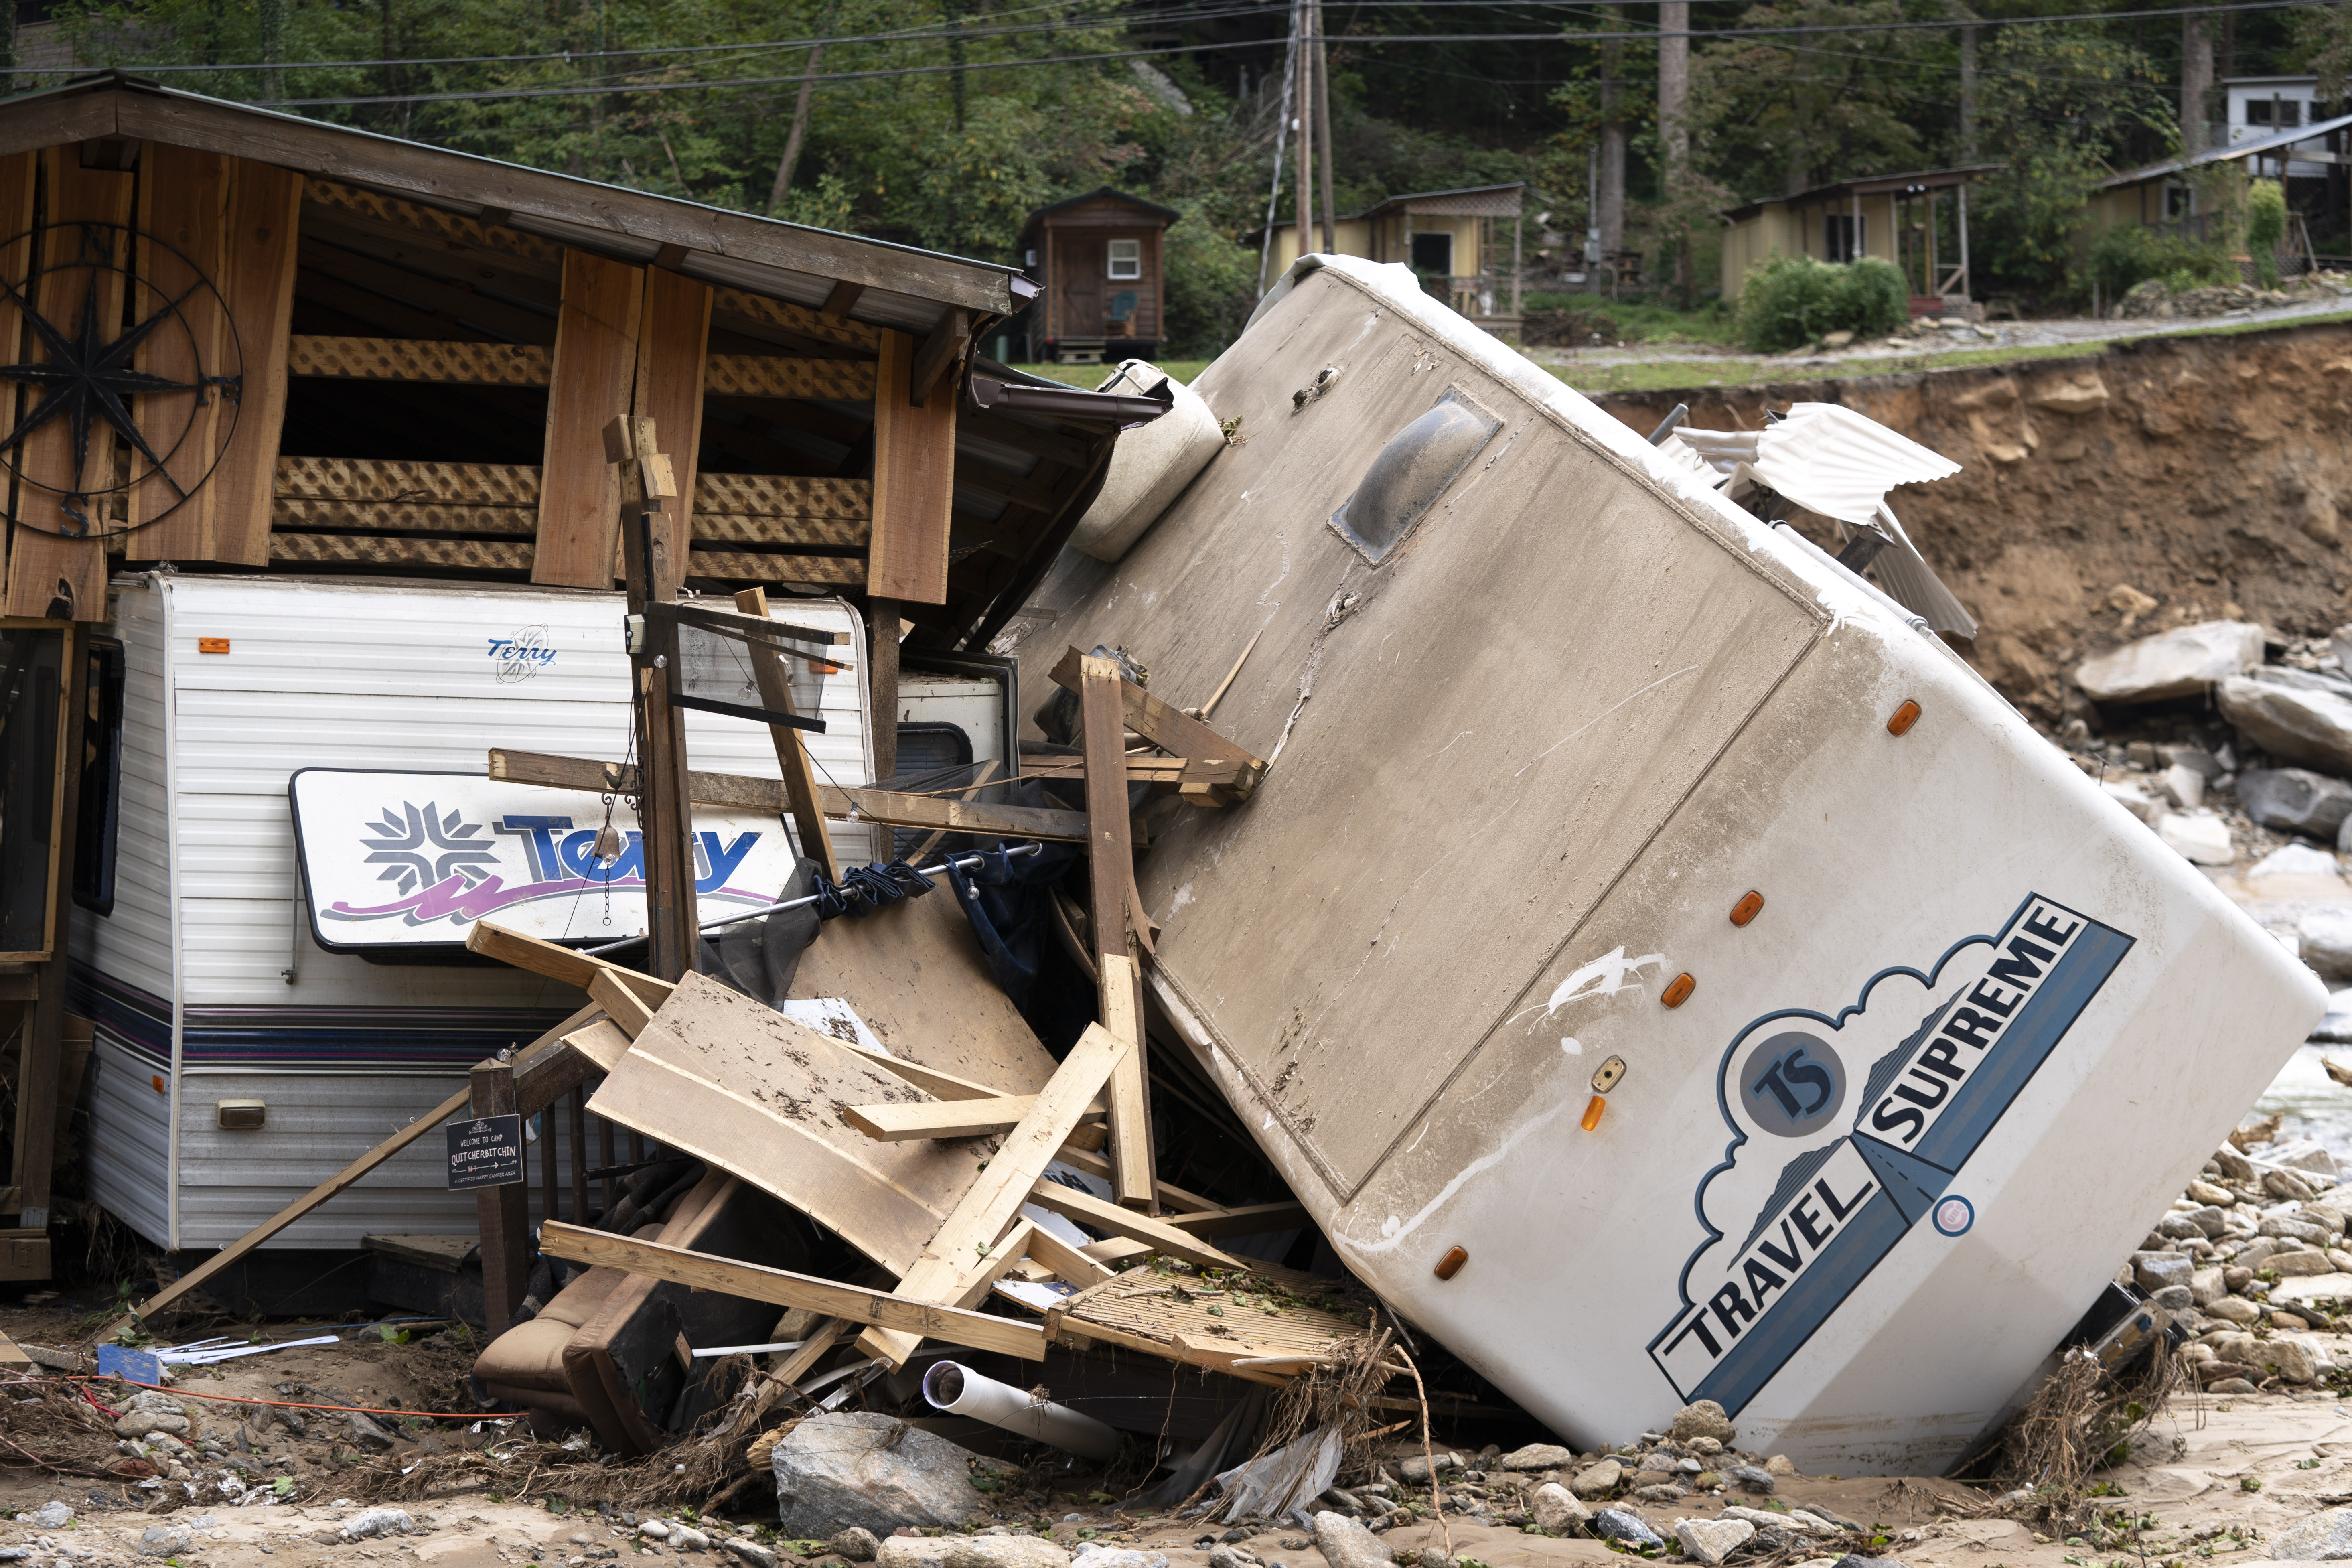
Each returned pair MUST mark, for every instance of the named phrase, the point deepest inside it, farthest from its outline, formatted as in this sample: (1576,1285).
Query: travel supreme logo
(1854,1177)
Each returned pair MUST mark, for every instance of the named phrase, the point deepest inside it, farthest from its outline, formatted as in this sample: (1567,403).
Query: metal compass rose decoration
(111,367)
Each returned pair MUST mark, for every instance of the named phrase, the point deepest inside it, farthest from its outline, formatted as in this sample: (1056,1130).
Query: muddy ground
(2217,1477)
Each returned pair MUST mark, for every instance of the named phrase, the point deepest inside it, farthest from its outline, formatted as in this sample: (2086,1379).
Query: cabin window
(1434,252)
(1845,237)
(1411,472)
(2281,113)
(1126,258)
(99,810)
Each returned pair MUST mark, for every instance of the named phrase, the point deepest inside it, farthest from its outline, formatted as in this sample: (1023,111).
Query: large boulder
(2325,1537)
(2295,800)
(2184,662)
(2305,721)
(863,1469)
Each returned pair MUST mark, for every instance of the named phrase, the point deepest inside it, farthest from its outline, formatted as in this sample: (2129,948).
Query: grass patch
(1090,376)
(1638,320)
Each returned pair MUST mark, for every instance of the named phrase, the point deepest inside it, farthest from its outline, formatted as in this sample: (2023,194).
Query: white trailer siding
(190,978)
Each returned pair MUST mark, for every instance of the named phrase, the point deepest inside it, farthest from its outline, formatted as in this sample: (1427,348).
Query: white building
(2263,105)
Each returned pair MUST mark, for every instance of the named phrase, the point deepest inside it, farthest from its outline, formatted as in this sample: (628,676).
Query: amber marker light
(1678,990)
(1592,1112)
(1905,717)
(1451,1263)
(1751,905)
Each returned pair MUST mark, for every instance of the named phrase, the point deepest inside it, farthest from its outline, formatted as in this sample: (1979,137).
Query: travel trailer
(304,835)
(1662,967)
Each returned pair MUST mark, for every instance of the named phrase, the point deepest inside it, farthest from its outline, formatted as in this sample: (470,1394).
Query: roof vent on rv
(1412,472)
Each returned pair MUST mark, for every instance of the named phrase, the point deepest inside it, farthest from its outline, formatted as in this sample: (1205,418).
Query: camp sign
(1849,1132)
(485,1152)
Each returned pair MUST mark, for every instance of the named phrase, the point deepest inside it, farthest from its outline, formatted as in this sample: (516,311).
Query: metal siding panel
(129,1130)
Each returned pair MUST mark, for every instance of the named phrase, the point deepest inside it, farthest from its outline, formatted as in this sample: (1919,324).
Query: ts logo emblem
(1792,1084)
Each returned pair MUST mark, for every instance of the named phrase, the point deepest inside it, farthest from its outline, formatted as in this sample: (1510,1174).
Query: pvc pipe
(959,1391)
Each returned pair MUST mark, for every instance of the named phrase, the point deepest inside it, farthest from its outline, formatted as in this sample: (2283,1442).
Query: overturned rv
(1662,967)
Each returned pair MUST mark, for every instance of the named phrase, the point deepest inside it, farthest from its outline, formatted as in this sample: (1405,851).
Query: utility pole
(1610,199)
(2196,80)
(1323,131)
(1674,125)
(1302,18)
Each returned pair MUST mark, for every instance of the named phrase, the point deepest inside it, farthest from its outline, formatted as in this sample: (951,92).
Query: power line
(1192,15)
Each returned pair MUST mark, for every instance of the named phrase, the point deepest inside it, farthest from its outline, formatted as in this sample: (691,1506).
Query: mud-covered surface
(2209,473)
(2210,1481)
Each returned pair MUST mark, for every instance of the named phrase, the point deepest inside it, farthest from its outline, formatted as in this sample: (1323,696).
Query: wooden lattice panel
(779,495)
(759,375)
(371,549)
(296,514)
(419,359)
(432,221)
(1267,1312)
(796,319)
(368,478)
(780,532)
(745,567)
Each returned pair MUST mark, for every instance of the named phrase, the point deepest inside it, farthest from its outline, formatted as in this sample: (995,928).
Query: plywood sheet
(593,382)
(915,974)
(184,202)
(717,1075)
(65,496)
(914,482)
(261,248)
(671,337)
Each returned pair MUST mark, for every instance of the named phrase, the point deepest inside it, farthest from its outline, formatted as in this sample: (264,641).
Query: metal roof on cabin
(2228,153)
(1867,186)
(905,288)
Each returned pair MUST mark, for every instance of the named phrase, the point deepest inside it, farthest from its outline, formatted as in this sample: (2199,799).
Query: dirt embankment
(2212,474)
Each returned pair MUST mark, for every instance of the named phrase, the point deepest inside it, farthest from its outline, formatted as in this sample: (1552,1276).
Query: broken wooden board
(1102,1215)
(1260,1310)
(917,1319)
(750,1091)
(1170,728)
(993,1200)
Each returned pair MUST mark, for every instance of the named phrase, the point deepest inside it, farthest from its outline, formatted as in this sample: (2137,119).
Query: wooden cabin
(247,342)
(1458,236)
(1098,260)
(1890,217)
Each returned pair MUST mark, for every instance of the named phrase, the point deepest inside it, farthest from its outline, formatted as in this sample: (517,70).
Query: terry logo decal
(1830,1182)
(521,656)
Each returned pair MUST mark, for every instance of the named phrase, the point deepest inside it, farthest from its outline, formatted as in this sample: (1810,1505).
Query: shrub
(1792,301)
(1211,286)
(2125,254)
(2266,228)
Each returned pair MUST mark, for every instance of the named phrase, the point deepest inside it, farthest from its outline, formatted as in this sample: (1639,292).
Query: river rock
(2295,800)
(2206,1286)
(377,1522)
(1624,1524)
(2199,837)
(970,1551)
(2134,799)
(1704,1418)
(2184,662)
(864,1468)
(1347,1544)
(2294,1228)
(750,1550)
(1416,1469)
(163,1541)
(1710,1541)
(2308,725)
(857,1543)
(2325,1537)
(2183,786)
(1556,1510)
(2154,1270)
(2233,1309)
(139,1424)
(1755,1478)
(2291,1358)
(1598,1480)
(50,1515)
(1538,1456)
(2300,1265)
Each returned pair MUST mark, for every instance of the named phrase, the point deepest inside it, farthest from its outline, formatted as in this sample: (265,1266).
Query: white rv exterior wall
(322,673)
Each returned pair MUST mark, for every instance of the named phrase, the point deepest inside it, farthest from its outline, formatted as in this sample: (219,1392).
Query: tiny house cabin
(1098,258)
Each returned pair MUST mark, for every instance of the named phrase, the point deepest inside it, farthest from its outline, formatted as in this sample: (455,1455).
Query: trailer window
(100,807)
(1411,472)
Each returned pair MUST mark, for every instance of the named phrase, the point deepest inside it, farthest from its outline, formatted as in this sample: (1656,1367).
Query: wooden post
(579,1124)
(36,1098)
(649,533)
(505,1211)
(882,675)
(592,380)
(792,752)
(1102,710)
(549,1185)
(605,1162)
